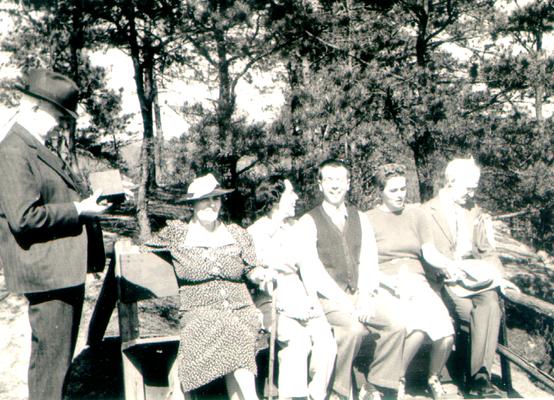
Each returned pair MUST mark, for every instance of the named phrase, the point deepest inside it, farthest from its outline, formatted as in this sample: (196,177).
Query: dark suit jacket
(445,241)
(44,244)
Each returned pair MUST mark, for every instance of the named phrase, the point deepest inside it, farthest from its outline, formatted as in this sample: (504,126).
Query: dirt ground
(97,374)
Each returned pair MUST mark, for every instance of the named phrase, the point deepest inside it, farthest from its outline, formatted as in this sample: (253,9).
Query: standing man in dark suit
(463,233)
(46,240)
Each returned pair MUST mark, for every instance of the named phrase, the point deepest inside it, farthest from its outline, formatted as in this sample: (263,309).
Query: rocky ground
(97,375)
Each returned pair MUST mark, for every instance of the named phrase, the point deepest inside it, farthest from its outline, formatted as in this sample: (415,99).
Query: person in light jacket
(302,329)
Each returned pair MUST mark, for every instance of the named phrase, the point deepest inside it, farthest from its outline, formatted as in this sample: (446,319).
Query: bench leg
(104,307)
(505,367)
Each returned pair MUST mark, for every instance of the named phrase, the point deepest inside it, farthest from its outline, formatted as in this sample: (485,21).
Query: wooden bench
(507,355)
(532,307)
(148,361)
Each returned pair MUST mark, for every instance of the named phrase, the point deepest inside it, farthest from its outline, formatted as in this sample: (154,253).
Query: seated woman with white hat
(219,323)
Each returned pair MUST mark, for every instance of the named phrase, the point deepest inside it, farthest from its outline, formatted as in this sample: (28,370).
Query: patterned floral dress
(219,323)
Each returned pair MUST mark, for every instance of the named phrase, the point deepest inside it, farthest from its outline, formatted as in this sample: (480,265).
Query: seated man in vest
(339,262)
(463,233)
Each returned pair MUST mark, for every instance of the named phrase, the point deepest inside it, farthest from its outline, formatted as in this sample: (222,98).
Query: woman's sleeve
(158,241)
(162,241)
(259,242)
(248,252)
(423,226)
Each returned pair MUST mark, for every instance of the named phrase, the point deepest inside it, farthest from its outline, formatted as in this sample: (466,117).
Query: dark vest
(339,251)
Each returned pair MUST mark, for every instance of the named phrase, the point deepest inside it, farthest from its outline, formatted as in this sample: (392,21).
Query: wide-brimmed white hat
(204,187)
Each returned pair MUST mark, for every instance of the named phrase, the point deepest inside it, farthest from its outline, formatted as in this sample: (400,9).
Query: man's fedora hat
(52,87)
(204,187)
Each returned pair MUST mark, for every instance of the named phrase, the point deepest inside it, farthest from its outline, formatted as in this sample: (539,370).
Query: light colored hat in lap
(204,187)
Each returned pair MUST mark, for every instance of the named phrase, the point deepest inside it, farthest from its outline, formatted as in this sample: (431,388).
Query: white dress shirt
(459,226)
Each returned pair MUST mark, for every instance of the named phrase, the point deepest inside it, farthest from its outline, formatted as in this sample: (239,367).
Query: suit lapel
(438,213)
(47,156)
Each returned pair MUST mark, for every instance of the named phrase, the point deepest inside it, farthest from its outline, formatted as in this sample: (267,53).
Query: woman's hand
(264,278)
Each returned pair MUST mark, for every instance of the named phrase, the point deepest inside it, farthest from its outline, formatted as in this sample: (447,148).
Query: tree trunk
(76,44)
(158,156)
(297,71)
(226,100)
(143,64)
(421,149)
(421,41)
(422,144)
(539,84)
(147,168)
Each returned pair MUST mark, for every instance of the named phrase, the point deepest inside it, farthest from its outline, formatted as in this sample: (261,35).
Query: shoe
(437,391)
(369,392)
(482,388)
(401,393)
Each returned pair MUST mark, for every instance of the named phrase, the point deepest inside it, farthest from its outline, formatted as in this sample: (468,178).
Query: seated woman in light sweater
(302,327)
(403,240)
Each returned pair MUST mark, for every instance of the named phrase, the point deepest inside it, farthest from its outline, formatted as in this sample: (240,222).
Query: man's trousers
(387,323)
(54,317)
(483,314)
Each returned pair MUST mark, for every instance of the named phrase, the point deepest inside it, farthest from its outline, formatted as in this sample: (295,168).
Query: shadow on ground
(96,373)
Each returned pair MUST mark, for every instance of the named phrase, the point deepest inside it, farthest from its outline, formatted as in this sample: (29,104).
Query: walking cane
(272,335)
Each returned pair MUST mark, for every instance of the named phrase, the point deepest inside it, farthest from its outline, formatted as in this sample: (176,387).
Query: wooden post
(272,337)
(147,363)
(504,363)
(103,308)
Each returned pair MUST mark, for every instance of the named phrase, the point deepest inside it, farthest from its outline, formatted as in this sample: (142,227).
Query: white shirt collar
(444,198)
(337,214)
(197,236)
(335,211)
(451,208)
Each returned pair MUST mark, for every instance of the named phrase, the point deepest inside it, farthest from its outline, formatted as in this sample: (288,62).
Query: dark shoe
(482,388)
